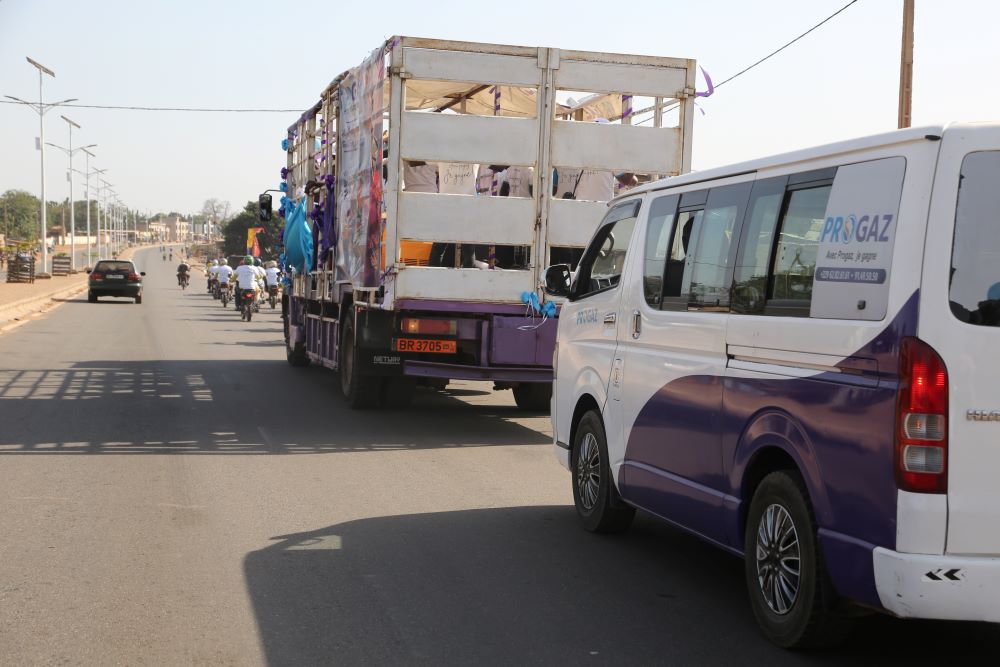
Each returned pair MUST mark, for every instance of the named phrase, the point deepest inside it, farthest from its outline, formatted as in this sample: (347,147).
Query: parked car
(115,277)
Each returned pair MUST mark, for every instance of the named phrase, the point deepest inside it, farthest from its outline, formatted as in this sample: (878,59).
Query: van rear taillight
(922,420)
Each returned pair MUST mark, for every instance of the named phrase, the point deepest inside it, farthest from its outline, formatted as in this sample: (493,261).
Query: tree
(19,214)
(235,232)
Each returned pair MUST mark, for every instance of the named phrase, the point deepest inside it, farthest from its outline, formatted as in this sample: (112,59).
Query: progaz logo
(866,229)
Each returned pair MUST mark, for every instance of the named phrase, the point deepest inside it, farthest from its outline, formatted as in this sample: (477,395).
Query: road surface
(174,493)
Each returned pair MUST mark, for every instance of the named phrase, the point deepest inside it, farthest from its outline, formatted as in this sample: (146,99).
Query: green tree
(235,232)
(19,214)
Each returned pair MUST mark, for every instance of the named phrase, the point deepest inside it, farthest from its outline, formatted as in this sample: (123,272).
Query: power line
(779,50)
(193,109)
(767,57)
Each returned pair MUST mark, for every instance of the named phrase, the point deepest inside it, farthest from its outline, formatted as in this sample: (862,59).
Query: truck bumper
(433,369)
(956,588)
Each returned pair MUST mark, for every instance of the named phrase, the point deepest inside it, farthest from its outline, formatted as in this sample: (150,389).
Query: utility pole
(906,67)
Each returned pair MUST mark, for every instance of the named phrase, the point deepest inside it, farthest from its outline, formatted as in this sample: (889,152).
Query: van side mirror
(264,207)
(557,280)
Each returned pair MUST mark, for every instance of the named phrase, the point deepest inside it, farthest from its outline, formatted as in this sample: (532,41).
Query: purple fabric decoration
(284,173)
(328,240)
(708,80)
(626,106)
(281,212)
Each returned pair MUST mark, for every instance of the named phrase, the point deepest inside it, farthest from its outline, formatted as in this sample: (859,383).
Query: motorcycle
(248,304)
(224,293)
(272,296)
(182,280)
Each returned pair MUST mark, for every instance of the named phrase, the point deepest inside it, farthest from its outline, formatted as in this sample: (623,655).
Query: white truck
(423,201)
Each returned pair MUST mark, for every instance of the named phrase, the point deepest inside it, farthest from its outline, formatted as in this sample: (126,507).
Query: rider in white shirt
(224,272)
(272,274)
(246,279)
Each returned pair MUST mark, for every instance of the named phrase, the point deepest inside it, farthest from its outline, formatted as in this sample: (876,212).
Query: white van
(793,358)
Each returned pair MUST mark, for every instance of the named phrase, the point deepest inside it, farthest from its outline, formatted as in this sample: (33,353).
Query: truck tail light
(922,420)
(414,325)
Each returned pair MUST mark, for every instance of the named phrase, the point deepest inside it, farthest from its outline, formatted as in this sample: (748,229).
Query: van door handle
(636,323)
(610,318)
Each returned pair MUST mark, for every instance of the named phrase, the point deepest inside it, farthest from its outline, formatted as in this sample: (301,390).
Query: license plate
(114,277)
(425,345)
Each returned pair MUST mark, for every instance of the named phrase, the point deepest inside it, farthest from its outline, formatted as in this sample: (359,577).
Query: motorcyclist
(210,272)
(246,279)
(224,273)
(259,269)
(183,271)
(272,274)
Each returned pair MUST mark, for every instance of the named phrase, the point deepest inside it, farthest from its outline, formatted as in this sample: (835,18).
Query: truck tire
(361,391)
(533,396)
(296,355)
(790,591)
(398,392)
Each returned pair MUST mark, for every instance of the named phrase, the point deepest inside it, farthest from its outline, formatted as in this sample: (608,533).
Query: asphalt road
(172,492)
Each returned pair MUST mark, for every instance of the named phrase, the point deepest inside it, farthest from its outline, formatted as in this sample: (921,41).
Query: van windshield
(974,292)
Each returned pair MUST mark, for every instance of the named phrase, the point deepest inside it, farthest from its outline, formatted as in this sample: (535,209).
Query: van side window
(798,242)
(754,259)
(603,261)
(713,252)
(676,276)
(658,231)
(974,289)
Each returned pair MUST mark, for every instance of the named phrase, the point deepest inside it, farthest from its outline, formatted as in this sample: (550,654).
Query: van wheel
(533,396)
(361,391)
(790,591)
(594,494)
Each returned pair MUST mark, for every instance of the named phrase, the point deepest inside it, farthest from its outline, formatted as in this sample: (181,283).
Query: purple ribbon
(708,80)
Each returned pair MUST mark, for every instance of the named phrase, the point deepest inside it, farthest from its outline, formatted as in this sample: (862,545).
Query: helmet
(248,259)
(256,261)
(215,262)
(223,262)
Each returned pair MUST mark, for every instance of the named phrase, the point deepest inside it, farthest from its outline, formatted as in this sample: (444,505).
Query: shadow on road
(528,586)
(230,406)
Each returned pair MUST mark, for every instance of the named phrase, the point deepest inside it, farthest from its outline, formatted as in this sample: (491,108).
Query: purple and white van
(793,358)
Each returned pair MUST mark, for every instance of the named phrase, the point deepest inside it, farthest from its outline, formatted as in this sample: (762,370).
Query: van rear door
(960,319)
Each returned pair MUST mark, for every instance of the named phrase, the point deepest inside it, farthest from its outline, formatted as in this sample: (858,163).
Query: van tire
(597,502)
(361,391)
(812,619)
(533,396)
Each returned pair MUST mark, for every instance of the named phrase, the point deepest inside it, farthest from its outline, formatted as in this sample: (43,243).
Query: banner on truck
(359,199)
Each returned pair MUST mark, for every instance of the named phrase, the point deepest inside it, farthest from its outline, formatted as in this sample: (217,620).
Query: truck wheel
(296,356)
(398,392)
(790,592)
(533,396)
(361,391)
(594,493)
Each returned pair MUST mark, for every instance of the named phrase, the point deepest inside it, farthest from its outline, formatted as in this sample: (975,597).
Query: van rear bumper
(955,588)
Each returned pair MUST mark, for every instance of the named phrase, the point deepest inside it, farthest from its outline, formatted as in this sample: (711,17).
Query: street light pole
(72,207)
(41,108)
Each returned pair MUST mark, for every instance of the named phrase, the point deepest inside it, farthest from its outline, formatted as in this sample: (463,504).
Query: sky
(839,82)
